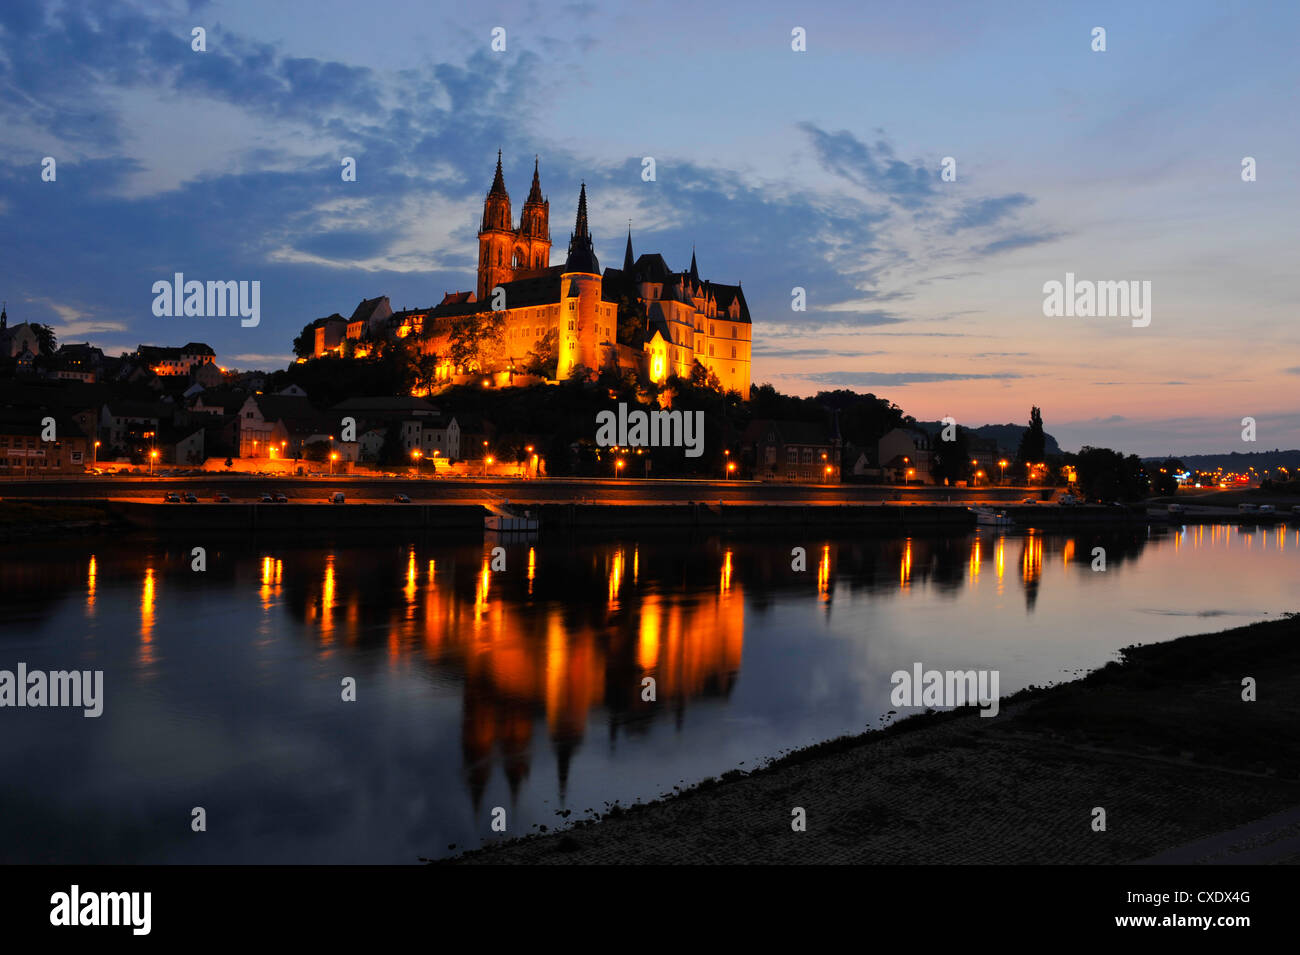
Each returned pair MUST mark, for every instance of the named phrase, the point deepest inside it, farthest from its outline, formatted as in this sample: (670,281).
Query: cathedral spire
(580,227)
(628,262)
(695,272)
(535,193)
(582,257)
(498,181)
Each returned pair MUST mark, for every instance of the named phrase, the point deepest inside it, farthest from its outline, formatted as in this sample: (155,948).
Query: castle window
(733,333)
(710,351)
(791,455)
(733,351)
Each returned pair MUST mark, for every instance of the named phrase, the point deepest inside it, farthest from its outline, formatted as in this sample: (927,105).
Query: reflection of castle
(573,308)
(524,659)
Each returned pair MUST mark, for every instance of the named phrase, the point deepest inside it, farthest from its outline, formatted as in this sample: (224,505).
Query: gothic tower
(505,253)
(535,228)
(579,299)
(496,237)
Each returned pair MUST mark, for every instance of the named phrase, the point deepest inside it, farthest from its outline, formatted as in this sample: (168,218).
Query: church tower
(535,227)
(506,253)
(496,237)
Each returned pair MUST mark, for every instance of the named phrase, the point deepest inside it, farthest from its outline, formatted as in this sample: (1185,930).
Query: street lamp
(415,456)
(731,468)
(618,466)
(334,456)
(96,452)
(153,456)
(1002,476)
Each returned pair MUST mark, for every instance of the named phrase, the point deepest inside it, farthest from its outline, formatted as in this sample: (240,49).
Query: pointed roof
(498,181)
(535,193)
(695,272)
(582,257)
(629,263)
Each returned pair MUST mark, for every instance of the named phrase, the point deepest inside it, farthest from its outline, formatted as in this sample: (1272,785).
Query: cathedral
(681,318)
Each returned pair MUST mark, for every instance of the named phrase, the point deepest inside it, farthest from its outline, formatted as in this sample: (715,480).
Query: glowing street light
(334,456)
(153,456)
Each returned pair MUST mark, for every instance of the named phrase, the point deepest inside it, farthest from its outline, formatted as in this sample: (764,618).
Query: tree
(544,358)
(950,460)
(316,451)
(702,377)
(304,346)
(478,341)
(46,340)
(1163,481)
(1107,475)
(1033,443)
(630,322)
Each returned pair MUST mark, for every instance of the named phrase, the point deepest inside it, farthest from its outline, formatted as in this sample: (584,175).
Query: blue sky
(816,169)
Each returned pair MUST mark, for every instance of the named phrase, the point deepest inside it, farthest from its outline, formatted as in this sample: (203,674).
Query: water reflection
(563,653)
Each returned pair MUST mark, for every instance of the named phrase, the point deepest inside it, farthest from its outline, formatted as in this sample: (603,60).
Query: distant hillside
(1238,461)
(1006,435)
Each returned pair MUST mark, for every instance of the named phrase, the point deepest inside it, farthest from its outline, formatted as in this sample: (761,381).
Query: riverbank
(1162,741)
(24,520)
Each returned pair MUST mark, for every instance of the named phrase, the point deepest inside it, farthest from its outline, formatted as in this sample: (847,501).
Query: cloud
(1022,240)
(771,351)
(868,379)
(875,167)
(985,212)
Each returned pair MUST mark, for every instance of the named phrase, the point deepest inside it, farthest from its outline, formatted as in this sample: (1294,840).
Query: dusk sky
(817,169)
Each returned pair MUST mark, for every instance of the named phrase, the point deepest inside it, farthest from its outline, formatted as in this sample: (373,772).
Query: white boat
(987,515)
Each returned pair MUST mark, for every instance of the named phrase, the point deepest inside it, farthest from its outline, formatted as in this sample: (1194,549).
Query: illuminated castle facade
(682,319)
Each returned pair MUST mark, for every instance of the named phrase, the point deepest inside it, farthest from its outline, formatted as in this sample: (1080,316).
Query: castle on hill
(680,318)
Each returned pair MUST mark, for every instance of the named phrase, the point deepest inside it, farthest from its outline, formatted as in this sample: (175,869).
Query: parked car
(281,499)
(337,497)
(1070,499)
(189,498)
(1296,509)
(267,499)
(171,498)
(1176,508)
(1267,509)
(1248,508)
(1029,500)
(401,499)
(222,499)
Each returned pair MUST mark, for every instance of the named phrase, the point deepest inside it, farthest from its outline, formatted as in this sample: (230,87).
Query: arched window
(518,261)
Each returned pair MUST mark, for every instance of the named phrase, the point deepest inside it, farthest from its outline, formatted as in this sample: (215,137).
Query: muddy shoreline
(1161,741)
